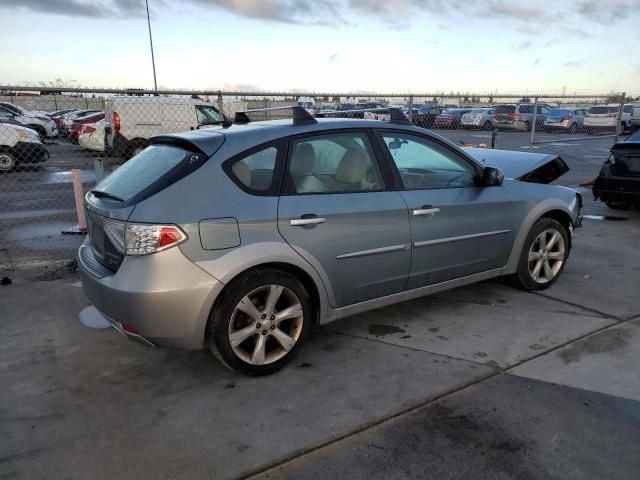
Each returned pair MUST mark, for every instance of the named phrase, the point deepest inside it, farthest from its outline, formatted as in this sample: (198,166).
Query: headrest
(303,159)
(353,166)
(242,171)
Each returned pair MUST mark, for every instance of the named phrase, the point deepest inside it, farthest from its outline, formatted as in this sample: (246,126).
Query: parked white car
(66,121)
(478,118)
(635,116)
(92,136)
(19,145)
(308,103)
(131,121)
(605,117)
(42,124)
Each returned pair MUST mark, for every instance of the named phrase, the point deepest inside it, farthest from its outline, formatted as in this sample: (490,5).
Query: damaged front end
(523,166)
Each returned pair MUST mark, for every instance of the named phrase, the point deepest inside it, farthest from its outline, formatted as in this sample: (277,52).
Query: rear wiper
(103,194)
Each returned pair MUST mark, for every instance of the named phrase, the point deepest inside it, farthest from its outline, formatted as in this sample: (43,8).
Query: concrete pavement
(525,386)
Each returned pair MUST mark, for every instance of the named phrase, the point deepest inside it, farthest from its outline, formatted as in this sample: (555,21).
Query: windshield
(207,115)
(143,171)
(602,110)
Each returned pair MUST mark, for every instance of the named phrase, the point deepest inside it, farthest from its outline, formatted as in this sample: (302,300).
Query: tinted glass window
(341,162)
(526,108)
(423,164)
(146,169)
(627,109)
(255,171)
(601,110)
(505,109)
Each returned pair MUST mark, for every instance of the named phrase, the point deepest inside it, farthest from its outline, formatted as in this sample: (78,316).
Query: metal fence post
(619,120)
(533,124)
(220,104)
(411,108)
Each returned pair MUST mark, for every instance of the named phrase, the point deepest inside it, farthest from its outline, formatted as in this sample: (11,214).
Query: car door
(458,227)
(336,212)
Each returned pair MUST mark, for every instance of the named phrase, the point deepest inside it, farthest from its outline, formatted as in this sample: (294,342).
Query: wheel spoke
(236,338)
(534,256)
(283,339)
(548,271)
(257,357)
(536,270)
(556,255)
(294,311)
(274,295)
(247,306)
(554,239)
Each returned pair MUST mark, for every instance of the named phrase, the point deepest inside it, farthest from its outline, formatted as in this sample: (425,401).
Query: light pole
(153,62)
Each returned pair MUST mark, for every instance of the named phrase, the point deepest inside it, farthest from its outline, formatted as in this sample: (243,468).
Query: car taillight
(513,115)
(89,129)
(142,239)
(116,122)
(567,117)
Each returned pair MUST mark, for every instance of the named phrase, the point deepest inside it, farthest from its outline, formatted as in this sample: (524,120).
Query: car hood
(525,166)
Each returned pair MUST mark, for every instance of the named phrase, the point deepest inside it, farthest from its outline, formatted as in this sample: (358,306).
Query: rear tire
(573,128)
(245,332)
(543,257)
(135,147)
(618,205)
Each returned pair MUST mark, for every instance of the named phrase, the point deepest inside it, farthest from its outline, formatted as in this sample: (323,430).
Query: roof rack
(396,115)
(300,115)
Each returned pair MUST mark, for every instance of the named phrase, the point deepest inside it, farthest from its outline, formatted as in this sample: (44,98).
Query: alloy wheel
(546,256)
(266,324)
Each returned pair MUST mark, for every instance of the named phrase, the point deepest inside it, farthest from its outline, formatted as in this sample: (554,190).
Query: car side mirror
(492,177)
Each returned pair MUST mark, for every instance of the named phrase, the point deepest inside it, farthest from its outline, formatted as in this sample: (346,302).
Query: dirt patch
(380,330)
(605,342)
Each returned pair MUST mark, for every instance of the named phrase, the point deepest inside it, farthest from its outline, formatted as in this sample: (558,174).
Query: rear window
(601,110)
(559,112)
(526,108)
(628,109)
(505,109)
(153,169)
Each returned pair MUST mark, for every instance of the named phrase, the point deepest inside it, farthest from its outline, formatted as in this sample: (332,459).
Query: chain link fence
(55,145)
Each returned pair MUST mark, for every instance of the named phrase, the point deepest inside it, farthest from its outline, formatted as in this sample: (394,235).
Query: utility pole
(153,62)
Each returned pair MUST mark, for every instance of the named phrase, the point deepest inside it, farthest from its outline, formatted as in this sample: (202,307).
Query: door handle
(300,222)
(431,211)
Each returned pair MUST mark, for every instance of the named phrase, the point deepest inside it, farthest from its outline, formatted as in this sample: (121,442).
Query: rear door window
(207,115)
(257,171)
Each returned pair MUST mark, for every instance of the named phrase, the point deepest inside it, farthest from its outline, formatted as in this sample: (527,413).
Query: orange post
(79,197)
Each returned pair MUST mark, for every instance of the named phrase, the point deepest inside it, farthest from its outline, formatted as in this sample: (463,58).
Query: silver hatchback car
(241,239)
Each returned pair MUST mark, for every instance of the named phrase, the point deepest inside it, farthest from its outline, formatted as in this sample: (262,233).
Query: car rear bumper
(162,299)
(612,188)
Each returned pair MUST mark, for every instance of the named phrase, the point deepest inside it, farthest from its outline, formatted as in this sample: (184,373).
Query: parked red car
(77,124)
(450,118)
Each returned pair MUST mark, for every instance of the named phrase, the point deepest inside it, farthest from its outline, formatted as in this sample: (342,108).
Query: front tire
(260,322)
(7,162)
(543,255)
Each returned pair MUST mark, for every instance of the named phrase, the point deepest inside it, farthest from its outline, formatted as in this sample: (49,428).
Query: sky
(385,46)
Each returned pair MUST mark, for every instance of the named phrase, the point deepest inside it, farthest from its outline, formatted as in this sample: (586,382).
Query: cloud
(537,61)
(516,11)
(523,46)
(574,63)
(606,11)
(333,58)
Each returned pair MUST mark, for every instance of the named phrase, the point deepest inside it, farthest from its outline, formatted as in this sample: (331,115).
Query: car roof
(255,133)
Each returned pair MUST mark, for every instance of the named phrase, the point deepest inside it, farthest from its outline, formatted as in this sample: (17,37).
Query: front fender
(572,210)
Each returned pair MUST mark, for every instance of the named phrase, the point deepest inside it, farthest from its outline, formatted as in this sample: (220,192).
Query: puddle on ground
(90,317)
(380,330)
(605,217)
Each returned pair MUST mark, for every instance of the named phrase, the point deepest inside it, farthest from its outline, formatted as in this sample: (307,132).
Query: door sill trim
(341,312)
